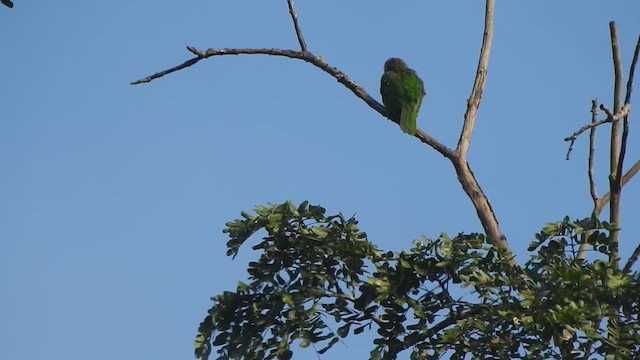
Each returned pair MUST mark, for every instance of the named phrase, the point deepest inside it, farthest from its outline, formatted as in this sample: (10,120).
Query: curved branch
(478,85)
(309,57)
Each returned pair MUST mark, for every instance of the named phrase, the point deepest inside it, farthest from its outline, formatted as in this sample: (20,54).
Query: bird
(402,92)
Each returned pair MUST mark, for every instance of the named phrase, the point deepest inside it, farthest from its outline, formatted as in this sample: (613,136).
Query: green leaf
(343,331)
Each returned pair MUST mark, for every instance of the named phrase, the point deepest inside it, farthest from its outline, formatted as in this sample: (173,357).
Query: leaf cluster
(318,279)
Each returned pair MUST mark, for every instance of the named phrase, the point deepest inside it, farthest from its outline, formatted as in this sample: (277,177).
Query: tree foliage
(318,279)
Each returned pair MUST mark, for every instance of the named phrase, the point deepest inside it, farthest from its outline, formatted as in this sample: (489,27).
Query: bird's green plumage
(402,92)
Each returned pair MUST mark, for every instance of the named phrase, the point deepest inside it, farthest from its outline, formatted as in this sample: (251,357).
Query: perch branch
(478,85)
(316,61)
(294,18)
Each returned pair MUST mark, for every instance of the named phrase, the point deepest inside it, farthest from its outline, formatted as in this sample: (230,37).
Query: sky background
(113,197)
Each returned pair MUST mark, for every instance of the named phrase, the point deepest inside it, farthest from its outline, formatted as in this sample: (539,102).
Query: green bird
(402,92)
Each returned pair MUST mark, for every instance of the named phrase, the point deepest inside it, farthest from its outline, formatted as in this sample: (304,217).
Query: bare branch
(592,151)
(318,62)
(627,100)
(611,118)
(481,203)
(166,72)
(614,156)
(582,250)
(478,85)
(632,70)
(625,122)
(294,18)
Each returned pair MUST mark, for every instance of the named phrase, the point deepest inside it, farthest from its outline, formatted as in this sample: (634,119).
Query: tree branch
(604,200)
(316,61)
(627,100)
(614,156)
(478,85)
(294,18)
(632,70)
(625,122)
(592,151)
(166,72)
(611,118)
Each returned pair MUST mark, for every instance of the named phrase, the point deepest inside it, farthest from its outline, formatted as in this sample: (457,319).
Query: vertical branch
(294,18)
(481,74)
(625,119)
(632,70)
(592,150)
(614,176)
(465,176)
(582,251)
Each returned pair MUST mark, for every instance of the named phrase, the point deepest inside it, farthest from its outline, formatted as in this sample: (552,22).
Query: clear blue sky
(113,197)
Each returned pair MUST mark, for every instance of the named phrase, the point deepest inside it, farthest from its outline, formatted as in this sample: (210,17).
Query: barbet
(402,92)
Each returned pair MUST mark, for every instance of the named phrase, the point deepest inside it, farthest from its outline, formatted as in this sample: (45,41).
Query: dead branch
(296,26)
(592,150)
(611,118)
(478,85)
(614,155)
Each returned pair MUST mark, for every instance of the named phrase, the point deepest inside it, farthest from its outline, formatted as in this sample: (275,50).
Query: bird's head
(394,64)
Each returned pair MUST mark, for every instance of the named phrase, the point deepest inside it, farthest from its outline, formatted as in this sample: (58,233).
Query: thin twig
(632,70)
(166,72)
(592,151)
(582,250)
(573,141)
(611,118)
(294,17)
(478,85)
